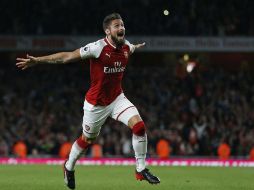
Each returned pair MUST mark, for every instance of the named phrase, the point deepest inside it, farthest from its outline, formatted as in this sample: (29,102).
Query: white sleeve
(132,47)
(91,50)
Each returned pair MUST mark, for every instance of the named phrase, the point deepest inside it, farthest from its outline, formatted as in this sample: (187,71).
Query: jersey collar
(106,39)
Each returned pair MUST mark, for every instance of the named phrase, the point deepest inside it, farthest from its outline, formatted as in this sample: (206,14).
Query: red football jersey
(107,65)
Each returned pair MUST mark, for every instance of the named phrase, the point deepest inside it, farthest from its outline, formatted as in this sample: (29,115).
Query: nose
(122,28)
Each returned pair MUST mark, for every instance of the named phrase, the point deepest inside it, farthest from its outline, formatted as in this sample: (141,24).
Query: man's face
(117,32)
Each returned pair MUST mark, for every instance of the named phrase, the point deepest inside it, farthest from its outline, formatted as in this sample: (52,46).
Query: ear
(107,31)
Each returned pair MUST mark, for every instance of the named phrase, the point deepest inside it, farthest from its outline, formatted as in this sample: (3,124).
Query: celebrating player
(105,98)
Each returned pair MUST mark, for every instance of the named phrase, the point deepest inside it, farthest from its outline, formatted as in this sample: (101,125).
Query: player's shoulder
(98,45)
(93,49)
(126,42)
(131,46)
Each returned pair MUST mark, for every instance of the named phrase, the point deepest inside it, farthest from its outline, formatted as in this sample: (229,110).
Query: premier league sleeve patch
(85,52)
(85,48)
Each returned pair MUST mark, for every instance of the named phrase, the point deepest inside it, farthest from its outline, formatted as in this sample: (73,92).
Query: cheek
(113,31)
(114,34)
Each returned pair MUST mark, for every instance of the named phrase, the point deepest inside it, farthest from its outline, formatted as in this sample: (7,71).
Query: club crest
(87,128)
(126,55)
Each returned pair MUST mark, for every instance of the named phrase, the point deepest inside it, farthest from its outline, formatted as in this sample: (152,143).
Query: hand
(137,46)
(25,63)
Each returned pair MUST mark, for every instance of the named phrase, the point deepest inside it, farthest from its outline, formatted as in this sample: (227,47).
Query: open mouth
(120,34)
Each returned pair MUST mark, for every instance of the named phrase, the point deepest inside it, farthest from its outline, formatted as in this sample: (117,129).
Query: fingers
(21,65)
(24,67)
(143,44)
(29,57)
(22,59)
(140,45)
(21,62)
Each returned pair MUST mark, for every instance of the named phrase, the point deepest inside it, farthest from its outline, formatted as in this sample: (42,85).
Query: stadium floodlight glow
(186,57)
(190,66)
(166,12)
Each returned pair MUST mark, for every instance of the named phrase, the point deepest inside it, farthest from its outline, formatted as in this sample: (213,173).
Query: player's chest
(113,58)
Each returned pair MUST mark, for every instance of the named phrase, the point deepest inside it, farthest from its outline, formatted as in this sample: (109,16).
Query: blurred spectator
(252,154)
(126,146)
(20,149)
(4,149)
(224,151)
(96,151)
(65,149)
(163,149)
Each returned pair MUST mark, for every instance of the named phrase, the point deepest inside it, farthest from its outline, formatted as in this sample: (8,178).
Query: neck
(111,41)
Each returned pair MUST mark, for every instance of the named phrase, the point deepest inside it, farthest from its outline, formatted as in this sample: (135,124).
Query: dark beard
(118,43)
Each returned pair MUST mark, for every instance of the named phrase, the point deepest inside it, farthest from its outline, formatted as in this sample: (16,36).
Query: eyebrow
(118,24)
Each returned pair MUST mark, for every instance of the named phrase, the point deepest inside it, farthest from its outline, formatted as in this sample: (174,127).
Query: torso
(106,74)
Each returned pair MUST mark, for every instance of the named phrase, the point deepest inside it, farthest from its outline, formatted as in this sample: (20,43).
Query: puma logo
(107,55)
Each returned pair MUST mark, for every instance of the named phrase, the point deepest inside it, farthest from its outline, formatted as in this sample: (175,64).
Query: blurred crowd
(144,17)
(200,114)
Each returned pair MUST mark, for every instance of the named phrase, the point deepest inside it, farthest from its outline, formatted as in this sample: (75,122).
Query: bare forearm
(57,58)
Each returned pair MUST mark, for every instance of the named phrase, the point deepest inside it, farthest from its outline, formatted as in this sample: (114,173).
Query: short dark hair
(107,20)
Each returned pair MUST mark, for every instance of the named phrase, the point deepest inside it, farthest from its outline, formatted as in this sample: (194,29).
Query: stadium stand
(194,114)
(186,18)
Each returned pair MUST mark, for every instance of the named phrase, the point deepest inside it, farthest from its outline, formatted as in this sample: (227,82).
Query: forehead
(116,22)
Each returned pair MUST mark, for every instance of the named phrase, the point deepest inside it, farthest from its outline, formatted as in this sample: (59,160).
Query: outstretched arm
(136,46)
(57,58)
